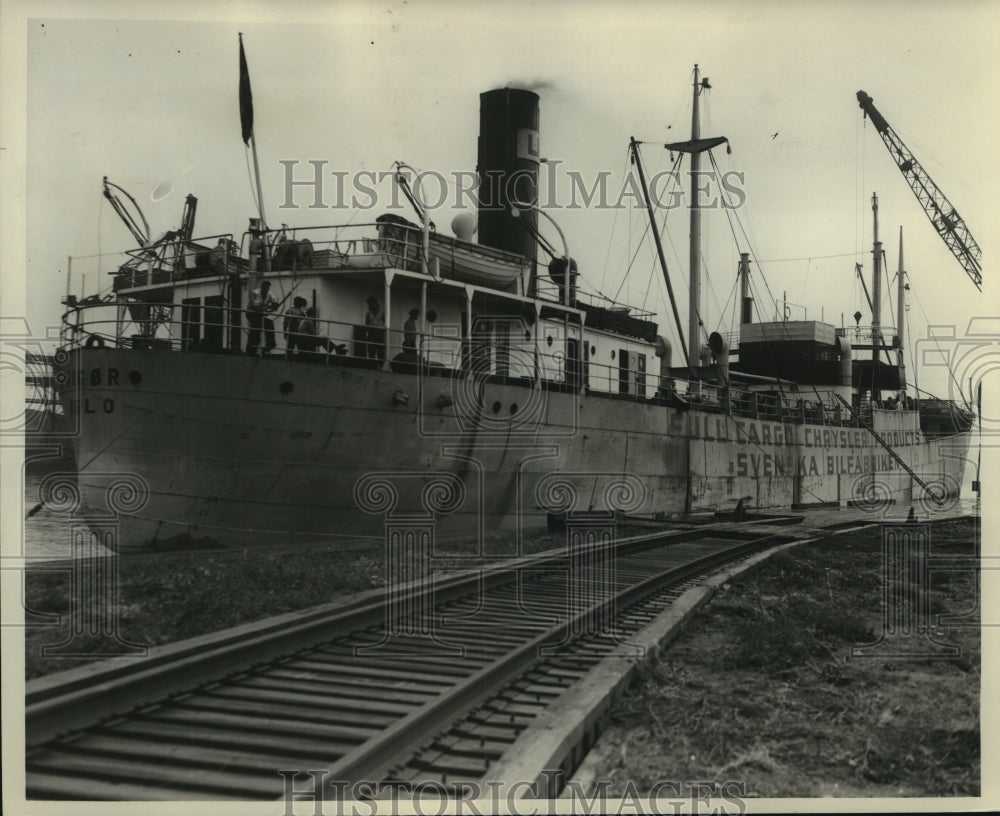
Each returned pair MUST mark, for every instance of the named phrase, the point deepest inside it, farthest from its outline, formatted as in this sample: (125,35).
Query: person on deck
(410,332)
(290,327)
(261,305)
(309,339)
(375,329)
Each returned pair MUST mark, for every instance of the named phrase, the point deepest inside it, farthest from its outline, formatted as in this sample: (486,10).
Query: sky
(152,103)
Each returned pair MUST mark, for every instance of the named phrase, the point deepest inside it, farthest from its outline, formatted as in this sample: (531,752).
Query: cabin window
(190,322)
(214,322)
(623,371)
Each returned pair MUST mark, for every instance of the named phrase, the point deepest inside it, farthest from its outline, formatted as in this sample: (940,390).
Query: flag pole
(246,120)
(256,172)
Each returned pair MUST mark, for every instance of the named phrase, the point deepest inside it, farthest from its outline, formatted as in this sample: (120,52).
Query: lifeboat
(457,259)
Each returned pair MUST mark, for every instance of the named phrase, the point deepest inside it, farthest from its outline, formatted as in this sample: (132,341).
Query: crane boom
(140,233)
(942,214)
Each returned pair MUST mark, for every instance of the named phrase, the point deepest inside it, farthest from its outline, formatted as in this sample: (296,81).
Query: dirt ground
(763,687)
(169,596)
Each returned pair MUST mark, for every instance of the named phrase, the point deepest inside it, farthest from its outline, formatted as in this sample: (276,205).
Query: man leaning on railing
(309,339)
(291,326)
(262,303)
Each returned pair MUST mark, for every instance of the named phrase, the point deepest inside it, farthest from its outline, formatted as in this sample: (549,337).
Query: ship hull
(238,450)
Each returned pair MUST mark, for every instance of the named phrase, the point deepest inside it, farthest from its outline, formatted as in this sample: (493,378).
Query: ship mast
(746,302)
(876,286)
(694,302)
(696,146)
(901,316)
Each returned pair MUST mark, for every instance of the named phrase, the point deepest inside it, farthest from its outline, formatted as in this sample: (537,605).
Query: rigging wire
(675,180)
(675,256)
(683,96)
(730,215)
(100,214)
(715,297)
(910,345)
(889,288)
(628,269)
(599,291)
(649,285)
(856,292)
(859,183)
(750,245)
(811,257)
(937,345)
(646,228)
(614,224)
(730,297)
(804,286)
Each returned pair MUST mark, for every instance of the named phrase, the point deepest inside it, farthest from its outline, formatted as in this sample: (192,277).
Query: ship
(465,385)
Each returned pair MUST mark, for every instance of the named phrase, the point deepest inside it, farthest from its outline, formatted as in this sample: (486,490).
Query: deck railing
(370,245)
(172,328)
(864,335)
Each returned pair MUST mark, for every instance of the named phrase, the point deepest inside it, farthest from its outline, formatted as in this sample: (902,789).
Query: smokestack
(508,169)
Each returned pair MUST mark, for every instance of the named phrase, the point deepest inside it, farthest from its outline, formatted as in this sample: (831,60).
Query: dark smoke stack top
(508,169)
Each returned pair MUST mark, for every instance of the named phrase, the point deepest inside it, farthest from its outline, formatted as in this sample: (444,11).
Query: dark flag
(246,100)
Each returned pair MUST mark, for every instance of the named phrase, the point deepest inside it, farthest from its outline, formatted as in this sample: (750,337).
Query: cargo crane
(140,233)
(943,215)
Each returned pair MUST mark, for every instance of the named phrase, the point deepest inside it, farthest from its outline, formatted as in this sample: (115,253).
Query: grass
(166,598)
(763,688)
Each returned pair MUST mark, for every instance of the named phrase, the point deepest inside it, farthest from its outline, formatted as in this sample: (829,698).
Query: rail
(180,328)
(219,715)
(175,260)
(865,335)
(388,243)
(39,384)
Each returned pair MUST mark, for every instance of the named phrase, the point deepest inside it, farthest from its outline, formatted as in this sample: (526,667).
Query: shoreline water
(48,532)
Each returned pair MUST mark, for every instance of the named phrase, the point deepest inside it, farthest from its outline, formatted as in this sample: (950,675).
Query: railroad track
(439,694)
